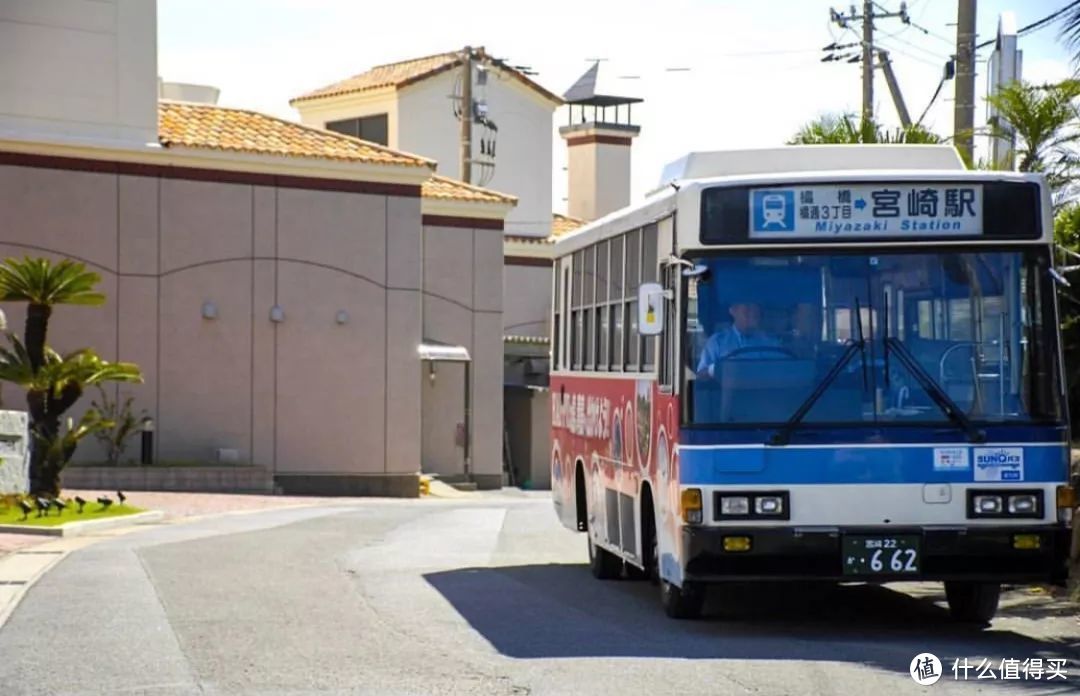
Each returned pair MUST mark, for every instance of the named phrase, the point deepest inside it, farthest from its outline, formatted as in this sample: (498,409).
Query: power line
(1039,24)
(920,59)
(927,51)
(939,37)
(932,100)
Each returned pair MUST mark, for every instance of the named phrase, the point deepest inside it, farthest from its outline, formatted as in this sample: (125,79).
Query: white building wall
(79,70)
(427,127)
(319,112)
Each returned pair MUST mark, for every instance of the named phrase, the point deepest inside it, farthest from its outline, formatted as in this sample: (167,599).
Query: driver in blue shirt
(743,332)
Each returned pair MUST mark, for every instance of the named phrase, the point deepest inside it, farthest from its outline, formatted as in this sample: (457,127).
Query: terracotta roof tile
(407,72)
(211,127)
(562,224)
(445,188)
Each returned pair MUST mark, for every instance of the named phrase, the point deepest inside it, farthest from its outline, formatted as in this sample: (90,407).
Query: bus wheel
(684,602)
(604,564)
(972,602)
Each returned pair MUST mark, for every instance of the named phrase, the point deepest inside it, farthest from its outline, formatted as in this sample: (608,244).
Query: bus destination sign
(866,211)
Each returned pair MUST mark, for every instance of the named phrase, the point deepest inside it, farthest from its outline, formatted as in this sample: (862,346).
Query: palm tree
(1070,30)
(42,285)
(842,129)
(1046,124)
(51,390)
(53,383)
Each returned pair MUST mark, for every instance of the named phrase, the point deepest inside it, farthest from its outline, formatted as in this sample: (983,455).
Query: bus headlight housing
(987,505)
(1022,504)
(751,505)
(769,505)
(732,505)
(1005,504)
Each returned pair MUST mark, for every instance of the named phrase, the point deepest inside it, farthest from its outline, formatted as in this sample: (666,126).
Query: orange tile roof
(210,127)
(562,224)
(407,72)
(446,188)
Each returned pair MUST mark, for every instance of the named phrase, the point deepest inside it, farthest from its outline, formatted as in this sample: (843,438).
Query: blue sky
(755,72)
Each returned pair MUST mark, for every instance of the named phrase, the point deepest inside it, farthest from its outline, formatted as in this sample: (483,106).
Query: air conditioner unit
(228,456)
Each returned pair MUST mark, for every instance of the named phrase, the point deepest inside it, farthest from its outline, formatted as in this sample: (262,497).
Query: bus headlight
(1023,504)
(769,505)
(734,505)
(987,505)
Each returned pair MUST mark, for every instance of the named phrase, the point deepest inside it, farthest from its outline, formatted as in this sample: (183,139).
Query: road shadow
(558,611)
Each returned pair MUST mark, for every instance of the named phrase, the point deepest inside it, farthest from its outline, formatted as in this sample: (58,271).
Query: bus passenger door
(664,417)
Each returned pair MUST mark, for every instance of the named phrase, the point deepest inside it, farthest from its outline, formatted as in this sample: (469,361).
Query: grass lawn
(92,511)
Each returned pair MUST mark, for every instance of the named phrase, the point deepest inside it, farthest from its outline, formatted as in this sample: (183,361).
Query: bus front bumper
(981,554)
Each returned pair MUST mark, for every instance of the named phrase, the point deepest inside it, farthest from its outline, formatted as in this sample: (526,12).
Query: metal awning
(441,352)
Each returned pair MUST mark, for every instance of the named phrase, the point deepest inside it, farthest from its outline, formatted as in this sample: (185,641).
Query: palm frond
(40,281)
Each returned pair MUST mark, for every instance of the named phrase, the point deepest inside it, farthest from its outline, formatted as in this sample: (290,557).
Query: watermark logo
(925,669)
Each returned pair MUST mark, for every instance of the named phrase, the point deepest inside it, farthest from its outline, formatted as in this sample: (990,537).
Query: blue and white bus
(821,363)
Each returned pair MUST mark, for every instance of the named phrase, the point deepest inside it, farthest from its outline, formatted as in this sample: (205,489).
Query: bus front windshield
(871,337)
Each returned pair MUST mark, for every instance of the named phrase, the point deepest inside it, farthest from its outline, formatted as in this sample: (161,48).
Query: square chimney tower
(598,138)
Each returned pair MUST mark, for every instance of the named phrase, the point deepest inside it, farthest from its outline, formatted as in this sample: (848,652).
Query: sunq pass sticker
(999,464)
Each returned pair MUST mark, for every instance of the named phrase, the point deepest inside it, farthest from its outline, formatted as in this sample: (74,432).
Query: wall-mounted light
(146,455)
(277,314)
(342,317)
(209,310)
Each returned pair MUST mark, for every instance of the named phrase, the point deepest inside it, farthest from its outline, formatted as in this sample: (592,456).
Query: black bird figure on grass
(43,505)
(80,502)
(26,508)
(60,506)
(121,496)
(105,502)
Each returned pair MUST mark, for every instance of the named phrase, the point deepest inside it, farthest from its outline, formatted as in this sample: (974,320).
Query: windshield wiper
(783,435)
(934,390)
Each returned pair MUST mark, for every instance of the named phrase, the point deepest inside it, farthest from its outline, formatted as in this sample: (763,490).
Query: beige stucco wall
(527,308)
(79,70)
(599,179)
(308,396)
(462,305)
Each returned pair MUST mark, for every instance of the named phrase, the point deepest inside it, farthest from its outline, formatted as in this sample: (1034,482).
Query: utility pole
(894,88)
(867,18)
(466,115)
(964,104)
(867,63)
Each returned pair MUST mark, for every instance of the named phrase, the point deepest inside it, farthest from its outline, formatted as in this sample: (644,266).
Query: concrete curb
(80,528)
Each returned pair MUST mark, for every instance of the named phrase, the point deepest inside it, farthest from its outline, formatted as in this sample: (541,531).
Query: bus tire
(684,602)
(604,564)
(972,602)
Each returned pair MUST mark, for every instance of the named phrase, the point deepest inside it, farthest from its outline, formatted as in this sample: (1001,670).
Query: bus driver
(743,332)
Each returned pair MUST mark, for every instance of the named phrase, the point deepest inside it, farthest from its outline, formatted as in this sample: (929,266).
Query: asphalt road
(479,596)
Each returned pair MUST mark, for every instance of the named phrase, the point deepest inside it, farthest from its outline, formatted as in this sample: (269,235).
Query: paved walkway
(180,505)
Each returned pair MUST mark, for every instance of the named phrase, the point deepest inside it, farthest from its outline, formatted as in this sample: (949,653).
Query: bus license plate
(881,555)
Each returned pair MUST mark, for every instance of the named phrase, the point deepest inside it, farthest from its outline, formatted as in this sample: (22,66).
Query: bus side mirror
(650,309)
